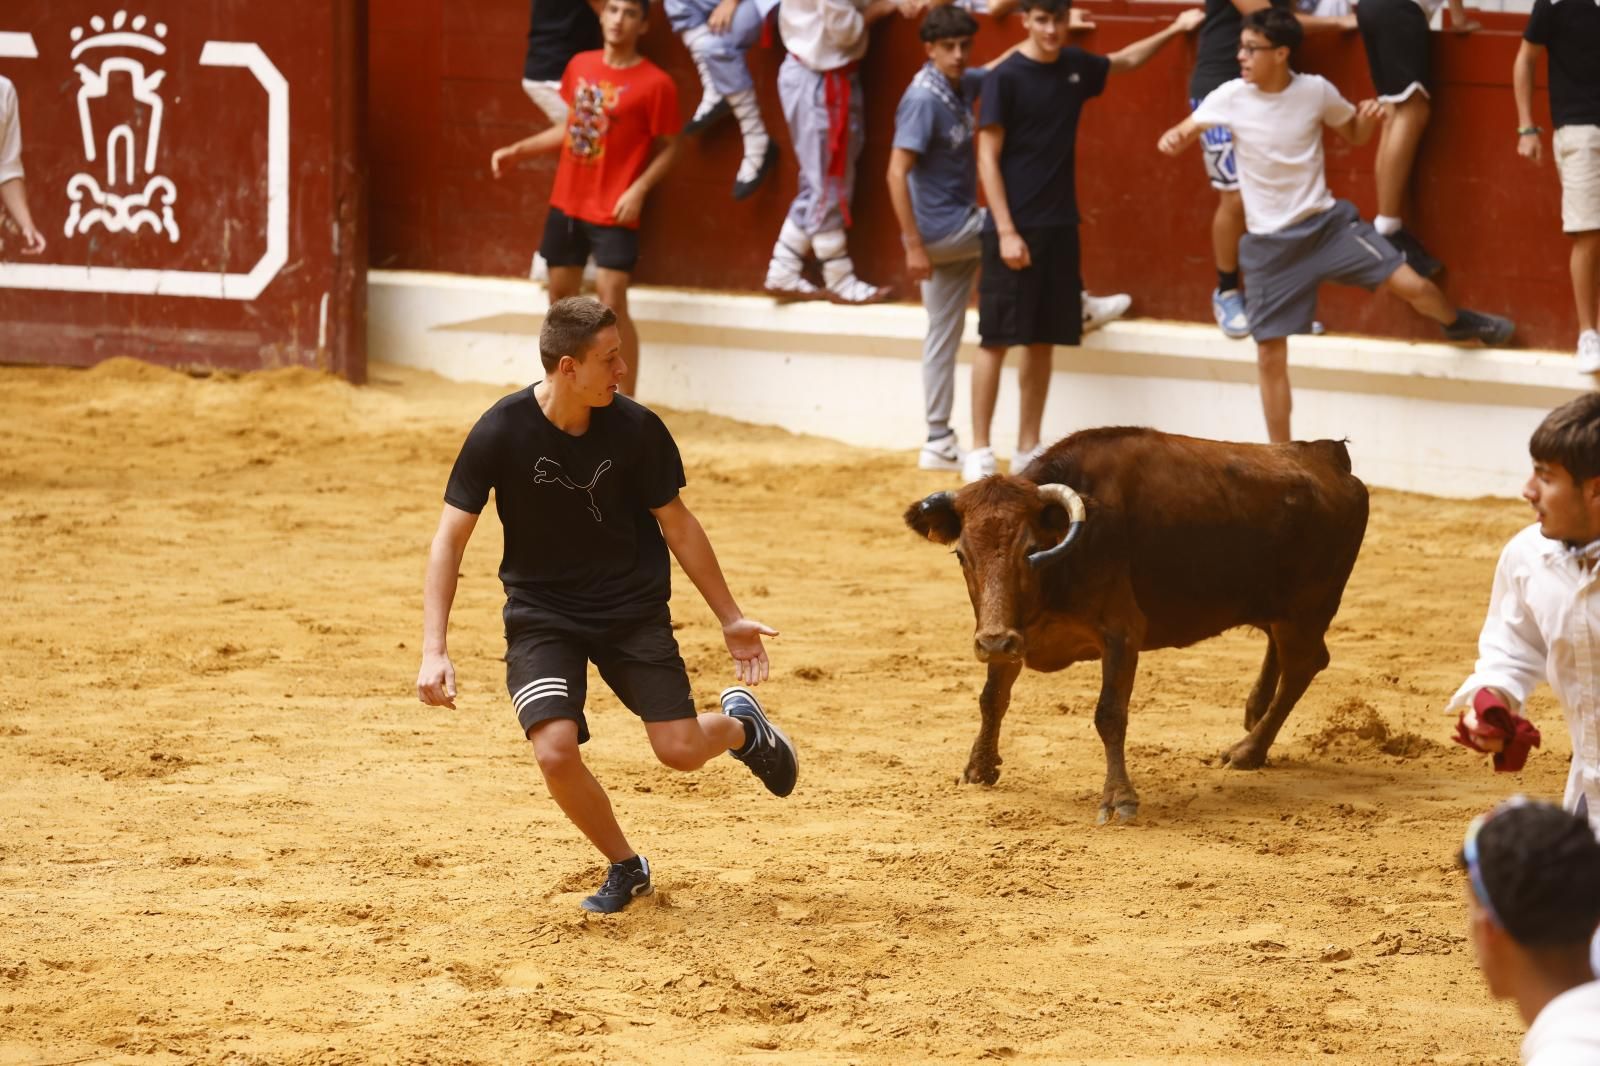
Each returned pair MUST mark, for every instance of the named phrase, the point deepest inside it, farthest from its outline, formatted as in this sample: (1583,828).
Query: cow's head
(1006,533)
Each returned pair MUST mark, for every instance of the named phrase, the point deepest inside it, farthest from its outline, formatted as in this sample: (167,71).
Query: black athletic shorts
(1398,47)
(548,657)
(1042,304)
(569,242)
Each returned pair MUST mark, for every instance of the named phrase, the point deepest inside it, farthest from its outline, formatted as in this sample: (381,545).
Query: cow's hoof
(981,775)
(1243,757)
(1126,812)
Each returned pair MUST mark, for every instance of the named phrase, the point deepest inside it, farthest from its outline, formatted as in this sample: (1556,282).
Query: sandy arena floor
(229,832)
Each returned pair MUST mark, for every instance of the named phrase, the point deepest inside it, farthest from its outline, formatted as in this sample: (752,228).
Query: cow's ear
(935,517)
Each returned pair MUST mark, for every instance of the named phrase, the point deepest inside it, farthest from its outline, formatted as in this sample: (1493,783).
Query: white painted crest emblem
(134,195)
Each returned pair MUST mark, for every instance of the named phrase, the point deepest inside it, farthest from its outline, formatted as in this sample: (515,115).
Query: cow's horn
(1074,507)
(936,499)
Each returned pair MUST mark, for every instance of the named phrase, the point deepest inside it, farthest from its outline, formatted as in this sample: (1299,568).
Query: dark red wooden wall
(445,90)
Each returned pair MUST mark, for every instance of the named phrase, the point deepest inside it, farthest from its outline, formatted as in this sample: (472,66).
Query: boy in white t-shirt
(1533,903)
(1298,235)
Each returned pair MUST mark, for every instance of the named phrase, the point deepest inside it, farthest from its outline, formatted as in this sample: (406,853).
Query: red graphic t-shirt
(617,113)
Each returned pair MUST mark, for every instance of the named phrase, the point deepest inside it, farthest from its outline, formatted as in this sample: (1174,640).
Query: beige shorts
(1578,161)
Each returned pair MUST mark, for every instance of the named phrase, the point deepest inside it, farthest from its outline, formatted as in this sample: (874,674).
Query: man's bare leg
(1272,372)
(1397,151)
(985,392)
(1585,266)
(1033,381)
(1227,229)
(611,286)
(564,282)
(690,743)
(1423,295)
(571,785)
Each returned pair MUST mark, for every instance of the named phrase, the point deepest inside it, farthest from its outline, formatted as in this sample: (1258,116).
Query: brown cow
(1119,540)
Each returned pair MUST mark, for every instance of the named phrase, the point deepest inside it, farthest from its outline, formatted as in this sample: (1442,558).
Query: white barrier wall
(1431,418)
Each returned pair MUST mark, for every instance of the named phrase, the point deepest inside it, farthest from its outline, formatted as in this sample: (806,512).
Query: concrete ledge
(1424,417)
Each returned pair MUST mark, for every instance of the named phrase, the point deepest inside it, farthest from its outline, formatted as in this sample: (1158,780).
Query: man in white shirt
(13,191)
(1298,235)
(820,90)
(1544,610)
(1533,903)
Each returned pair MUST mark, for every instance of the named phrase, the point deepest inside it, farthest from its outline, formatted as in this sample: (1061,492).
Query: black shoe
(742,189)
(1415,254)
(700,123)
(766,750)
(1475,325)
(625,882)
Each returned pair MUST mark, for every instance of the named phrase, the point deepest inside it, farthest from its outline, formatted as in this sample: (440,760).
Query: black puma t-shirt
(579,536)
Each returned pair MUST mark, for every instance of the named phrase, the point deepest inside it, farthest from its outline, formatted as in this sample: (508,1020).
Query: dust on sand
(229,832)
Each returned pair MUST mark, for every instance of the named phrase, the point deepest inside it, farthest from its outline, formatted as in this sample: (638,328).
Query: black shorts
(1399,45)
(569,242)
(1041,304)
(548,657)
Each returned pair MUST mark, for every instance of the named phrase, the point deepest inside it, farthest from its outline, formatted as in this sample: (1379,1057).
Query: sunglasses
(1469,855)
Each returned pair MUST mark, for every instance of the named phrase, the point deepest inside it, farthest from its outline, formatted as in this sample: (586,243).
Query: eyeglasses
(1469,855)
(1252,49)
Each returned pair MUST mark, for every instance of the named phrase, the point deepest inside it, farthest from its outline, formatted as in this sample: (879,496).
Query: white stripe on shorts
(544,686)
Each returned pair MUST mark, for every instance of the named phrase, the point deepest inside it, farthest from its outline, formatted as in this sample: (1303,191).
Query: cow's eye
(962,559)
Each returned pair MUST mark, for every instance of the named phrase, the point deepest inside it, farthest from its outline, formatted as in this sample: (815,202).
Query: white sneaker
(1098,310)
(1020,460)
(978,464)
(942,454)
(1589,352)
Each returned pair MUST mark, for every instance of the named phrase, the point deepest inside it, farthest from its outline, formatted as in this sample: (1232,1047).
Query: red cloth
(617,113)
(1497,722)
(836,85)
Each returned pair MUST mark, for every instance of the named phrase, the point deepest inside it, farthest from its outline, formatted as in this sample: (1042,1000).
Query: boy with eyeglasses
(1298,235)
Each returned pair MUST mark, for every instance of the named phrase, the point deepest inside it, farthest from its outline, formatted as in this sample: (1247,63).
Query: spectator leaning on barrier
(718,33)
(1543,622)
(1298,235)
(1399,46)
(1216,64)
(1570,31)
(624,107)
(13,188)
(1533,904)
(1030,289)
(821,93)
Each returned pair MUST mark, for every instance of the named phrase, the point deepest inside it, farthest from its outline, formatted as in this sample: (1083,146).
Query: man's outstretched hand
(750,664)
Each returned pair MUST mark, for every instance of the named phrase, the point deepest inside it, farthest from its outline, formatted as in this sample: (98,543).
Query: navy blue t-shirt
(1570,30)
(1038,104)
(944,183)
(579,536)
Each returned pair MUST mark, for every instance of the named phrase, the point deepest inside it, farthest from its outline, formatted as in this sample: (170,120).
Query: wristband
(1529,131)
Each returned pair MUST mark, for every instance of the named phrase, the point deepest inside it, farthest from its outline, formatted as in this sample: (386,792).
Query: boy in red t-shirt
(618,141)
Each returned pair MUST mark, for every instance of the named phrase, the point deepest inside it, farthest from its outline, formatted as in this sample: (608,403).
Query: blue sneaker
(625,882)
(1228,309)
(767,752)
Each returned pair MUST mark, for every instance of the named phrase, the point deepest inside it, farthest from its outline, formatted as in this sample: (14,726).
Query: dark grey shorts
(1285,268)
(548,657)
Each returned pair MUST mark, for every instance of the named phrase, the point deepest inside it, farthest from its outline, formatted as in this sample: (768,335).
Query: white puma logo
(548,471)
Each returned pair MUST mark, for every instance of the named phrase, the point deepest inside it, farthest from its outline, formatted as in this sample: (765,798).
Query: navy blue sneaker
(625,882)
(1476,325)
(766,750)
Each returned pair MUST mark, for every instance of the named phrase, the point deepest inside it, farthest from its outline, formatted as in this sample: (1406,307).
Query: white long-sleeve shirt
(824,34)
(1544,625)
(10,134)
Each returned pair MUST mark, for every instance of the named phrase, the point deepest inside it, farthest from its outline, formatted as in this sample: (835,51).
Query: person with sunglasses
(1533,905)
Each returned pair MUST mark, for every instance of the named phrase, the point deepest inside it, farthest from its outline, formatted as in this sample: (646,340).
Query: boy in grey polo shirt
(1298,235)
(933,186)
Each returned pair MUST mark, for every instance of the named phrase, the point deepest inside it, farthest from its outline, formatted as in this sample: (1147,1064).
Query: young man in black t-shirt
(586,485)
(1030,288)
(1570,31)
